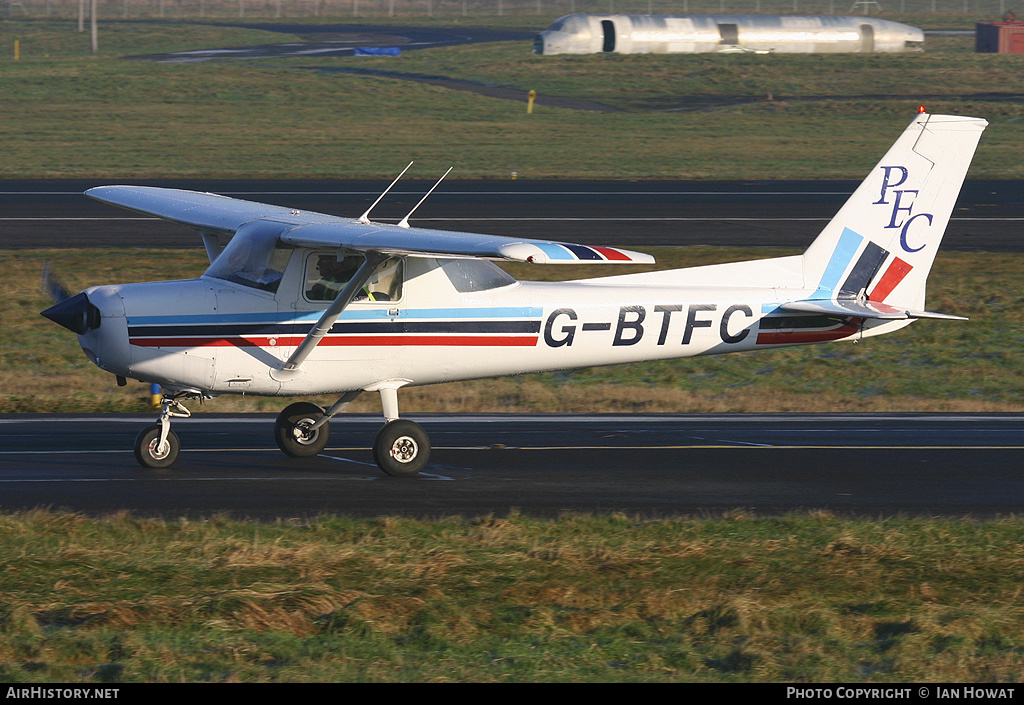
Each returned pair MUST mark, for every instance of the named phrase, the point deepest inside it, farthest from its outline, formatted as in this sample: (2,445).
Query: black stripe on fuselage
(383,327)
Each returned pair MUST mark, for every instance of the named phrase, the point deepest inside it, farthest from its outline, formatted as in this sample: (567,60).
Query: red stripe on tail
(892,277)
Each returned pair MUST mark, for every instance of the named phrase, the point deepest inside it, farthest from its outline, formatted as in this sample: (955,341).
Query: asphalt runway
(539,465)
(989,214)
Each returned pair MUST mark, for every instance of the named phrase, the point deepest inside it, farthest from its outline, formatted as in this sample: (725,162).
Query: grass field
(804,599)
(66,113)
(930,366)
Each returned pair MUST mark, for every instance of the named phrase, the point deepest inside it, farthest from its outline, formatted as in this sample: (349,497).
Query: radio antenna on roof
(365,217)
(405,221)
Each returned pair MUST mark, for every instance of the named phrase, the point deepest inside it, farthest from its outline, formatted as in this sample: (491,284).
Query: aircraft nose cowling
(75,313)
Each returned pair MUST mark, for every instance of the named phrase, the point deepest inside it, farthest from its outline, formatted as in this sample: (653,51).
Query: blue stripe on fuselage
(270,318)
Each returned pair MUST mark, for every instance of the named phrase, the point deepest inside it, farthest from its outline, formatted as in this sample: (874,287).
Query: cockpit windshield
(254,257)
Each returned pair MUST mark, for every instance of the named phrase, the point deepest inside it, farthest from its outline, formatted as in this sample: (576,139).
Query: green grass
(930,366)
(66,113)
(44,41)
(802,598)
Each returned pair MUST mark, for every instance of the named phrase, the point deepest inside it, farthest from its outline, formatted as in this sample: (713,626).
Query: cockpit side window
(327,275)
(255,258)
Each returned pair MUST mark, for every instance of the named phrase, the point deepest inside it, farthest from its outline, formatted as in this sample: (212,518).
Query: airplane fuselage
(219,337)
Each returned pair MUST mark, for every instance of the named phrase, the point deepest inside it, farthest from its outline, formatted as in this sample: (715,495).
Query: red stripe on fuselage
(807,336)
(353,340)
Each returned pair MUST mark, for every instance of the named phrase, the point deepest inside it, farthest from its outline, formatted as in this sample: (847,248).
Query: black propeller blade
(54,286)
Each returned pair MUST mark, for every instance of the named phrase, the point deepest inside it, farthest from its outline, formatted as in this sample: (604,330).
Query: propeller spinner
(75,313)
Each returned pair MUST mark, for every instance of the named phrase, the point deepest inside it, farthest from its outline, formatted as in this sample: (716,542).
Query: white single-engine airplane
(300,303)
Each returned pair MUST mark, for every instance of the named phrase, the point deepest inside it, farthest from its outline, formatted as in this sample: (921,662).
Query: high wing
(213,213)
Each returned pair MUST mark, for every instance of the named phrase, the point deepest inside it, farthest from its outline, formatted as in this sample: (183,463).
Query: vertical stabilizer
(881,245)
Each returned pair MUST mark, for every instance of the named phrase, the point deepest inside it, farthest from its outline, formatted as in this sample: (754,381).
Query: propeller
(73,312)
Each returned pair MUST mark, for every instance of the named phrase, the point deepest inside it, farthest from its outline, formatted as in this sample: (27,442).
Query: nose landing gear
(158,446)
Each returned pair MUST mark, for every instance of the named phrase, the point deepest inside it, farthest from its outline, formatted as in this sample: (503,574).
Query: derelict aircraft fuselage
(300,304)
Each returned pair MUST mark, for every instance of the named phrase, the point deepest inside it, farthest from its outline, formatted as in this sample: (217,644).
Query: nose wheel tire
(151,453)
(292,430)
(402,448)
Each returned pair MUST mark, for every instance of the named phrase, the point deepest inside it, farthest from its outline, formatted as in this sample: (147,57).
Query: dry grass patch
(797,598)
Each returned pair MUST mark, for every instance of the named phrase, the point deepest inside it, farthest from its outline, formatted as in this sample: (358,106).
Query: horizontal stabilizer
(862,309)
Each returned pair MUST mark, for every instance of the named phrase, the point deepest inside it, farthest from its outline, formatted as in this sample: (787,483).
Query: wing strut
(290,369)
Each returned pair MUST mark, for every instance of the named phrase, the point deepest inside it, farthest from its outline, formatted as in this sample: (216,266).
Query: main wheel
(402,448)
(292,430)
(151,453)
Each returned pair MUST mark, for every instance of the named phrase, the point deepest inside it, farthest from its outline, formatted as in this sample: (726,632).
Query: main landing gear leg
(402,447)
(158,446)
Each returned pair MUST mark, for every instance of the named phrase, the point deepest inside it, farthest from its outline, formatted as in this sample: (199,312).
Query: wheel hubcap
(159,451)
(302,434)
(404,449)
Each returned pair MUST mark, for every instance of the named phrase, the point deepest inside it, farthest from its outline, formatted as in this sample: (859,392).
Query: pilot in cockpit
(327,276)
(331,276)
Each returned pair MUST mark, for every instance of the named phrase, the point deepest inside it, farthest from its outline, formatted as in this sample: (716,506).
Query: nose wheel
(153,452)
(157,446)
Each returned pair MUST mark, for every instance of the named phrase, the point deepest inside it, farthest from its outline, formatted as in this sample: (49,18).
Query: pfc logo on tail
(902,202)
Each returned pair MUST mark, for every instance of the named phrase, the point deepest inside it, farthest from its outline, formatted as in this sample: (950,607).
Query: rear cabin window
(468,275)
(326,276)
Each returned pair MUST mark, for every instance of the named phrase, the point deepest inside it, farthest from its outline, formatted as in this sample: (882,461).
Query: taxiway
(540,465)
